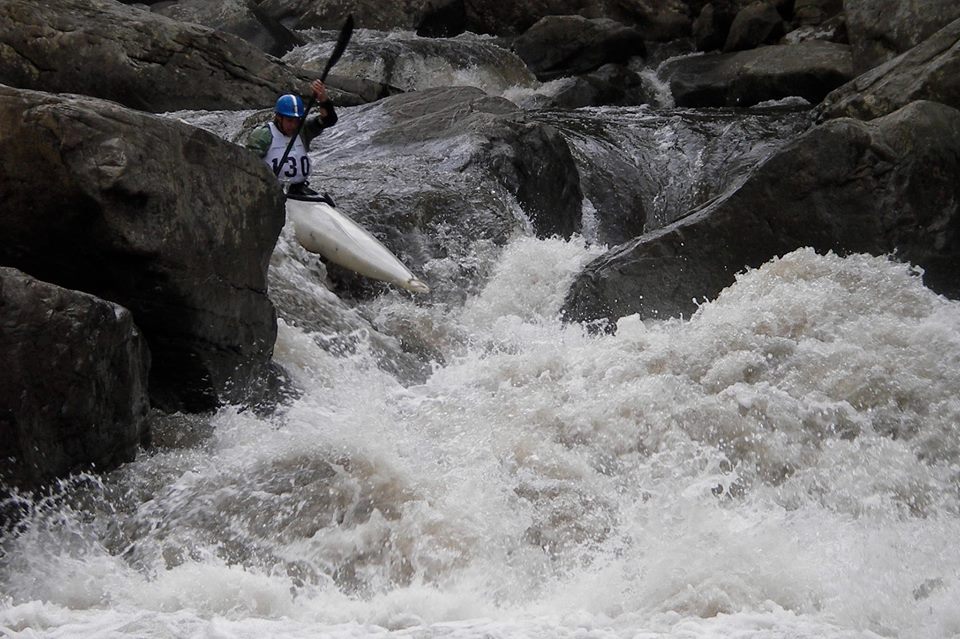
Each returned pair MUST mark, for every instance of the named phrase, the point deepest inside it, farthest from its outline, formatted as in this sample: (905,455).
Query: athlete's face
(287,125)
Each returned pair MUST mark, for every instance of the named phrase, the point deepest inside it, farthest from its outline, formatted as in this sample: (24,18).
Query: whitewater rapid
(784,463)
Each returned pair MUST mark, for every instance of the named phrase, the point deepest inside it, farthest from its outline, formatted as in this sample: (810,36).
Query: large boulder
(845,186)
(610,85)
(443,19)
(929,71)
(513,18)
(242,18)
(677,161)
(712,25)
(657,19)
(880,30)
(397,61)
(808,69)
(816,12)
(832,30)
(139,210)
(559,46)
(132,56)
(441,173)
(368,14)
(73,387)
(490,137)
(756,24)
(736,25)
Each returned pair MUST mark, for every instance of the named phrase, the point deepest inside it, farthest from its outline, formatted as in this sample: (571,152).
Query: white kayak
(322,229)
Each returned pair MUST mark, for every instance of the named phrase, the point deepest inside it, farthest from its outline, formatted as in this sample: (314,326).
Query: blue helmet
(290,106)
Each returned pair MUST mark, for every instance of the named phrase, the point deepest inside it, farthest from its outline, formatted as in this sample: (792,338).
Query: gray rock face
(809,70)
(831,30)
(242,18)
(443,19)
(73,387)
(134,57)
(756,24)
(398,61)
(531,160)
(712,25)
(880,30)
(139,210)
(676,162)
(559,46)
(330,14)
(812,12)
(432,173)
(658,19)
(929,71)
(846,186)
(611,84)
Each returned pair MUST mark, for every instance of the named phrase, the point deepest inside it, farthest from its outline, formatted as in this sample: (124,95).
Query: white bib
(296,168)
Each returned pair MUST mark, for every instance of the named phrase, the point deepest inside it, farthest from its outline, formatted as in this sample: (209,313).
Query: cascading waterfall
(784,463)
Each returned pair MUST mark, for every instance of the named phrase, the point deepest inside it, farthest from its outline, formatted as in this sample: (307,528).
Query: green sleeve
(259,140)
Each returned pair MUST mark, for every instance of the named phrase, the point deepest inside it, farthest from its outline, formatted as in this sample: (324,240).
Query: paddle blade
(345,32)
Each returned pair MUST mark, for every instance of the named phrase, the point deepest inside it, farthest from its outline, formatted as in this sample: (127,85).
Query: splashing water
(785,463)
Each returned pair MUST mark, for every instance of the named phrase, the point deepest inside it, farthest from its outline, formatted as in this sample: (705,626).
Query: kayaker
(270,140)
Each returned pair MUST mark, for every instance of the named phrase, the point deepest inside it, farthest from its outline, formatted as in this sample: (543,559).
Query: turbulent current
(785,463)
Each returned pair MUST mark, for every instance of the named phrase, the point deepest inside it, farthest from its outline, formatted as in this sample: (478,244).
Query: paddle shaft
(342,40)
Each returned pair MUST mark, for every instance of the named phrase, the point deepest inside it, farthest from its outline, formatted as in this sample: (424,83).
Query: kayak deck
(322,229)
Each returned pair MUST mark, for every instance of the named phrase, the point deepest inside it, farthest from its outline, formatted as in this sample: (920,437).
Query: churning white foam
(782,464)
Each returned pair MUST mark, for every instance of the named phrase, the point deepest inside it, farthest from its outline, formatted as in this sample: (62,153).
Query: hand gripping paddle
(345,32)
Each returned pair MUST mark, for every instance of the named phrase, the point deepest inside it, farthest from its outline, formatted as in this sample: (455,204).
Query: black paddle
(345,32)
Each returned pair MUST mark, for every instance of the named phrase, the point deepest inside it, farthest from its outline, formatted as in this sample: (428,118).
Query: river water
(783,464)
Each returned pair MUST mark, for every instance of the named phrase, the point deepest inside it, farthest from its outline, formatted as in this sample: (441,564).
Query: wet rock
(530,160)
(73,387)
(405,62)
(242,18)
(289,12)
(656,21)
(880,30)
(845,186)
(832,30)
(756,24)
(139,210)
(659,20)
(367,14)
(677,161)
(816,12)
(660,52)
(809,70)
(513,18)
(736,25)
(354,91)
(131,56)
(437,173)
(929,71)
(610,85)
(712,25)
(443,19)
(558,46)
